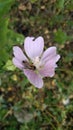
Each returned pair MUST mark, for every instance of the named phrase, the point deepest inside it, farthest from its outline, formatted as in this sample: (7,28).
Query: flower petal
(48,70)
(57,57)
(18,53)
(49,54)
(34,78)
(17,63)
(34,48)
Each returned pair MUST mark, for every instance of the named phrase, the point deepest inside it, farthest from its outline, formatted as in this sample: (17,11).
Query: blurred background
(22,106)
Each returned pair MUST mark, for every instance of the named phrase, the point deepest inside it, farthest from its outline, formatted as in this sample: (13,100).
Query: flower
(36,63)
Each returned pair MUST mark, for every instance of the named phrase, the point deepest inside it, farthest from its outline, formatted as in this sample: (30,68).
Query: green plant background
(22,106)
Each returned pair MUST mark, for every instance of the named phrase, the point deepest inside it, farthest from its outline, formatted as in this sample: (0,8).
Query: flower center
(37,63)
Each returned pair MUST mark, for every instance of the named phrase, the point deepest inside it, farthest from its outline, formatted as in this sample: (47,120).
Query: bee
(28,66)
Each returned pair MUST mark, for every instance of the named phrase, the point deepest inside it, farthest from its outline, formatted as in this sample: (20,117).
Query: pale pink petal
(34,78)
(48,70)
(33,47)
(18,53)
(49,54)
(17,63)
(57,57)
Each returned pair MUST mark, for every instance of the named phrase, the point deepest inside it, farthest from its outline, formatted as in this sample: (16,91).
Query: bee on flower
(35,62)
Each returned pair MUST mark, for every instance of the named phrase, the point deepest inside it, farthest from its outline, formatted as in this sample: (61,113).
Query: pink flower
(36,64)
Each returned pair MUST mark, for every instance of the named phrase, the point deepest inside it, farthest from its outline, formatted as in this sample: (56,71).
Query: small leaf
(9,66)
(33,1)
(15,38)
(60,4)
(60,36)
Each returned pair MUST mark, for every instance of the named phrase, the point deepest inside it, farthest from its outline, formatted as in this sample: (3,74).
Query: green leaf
(69,57)
(5,6)
(2,113)
(60,4)
(9,66)
(33,1)
(60,36)
(14,38)
(7,37)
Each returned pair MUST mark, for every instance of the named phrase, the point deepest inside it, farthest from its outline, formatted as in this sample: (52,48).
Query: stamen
(37,63)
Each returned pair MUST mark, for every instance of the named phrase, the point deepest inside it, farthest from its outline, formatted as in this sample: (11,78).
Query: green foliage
(33,1)
(5,6)
(60,4)
(9,65)
(3,33)
(14,38)
(69,5)
(7,37)
(22,106)
(60,36)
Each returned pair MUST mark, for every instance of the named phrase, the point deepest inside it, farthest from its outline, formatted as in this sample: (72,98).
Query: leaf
(9,65)
(14,38)
(7,37)
(5,6)
(60,4)
(69,57)
(2,113)
(60,36)
(33,1)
